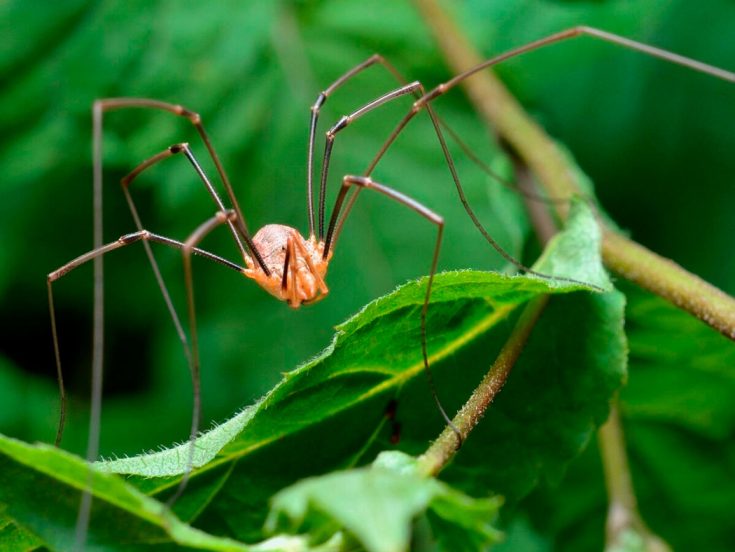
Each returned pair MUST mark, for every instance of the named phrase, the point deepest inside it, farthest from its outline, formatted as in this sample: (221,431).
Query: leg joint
(134,237)
(339,125)
(178,148)
(226,216)
(362,181)
(193,116)
(319,102)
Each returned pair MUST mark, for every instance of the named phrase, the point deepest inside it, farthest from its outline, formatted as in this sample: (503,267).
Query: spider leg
(126,181)
(345,121)
(425,103)
(190,248)
(94,255)
(293,300)
(438,221)
(375,59)
(127,239)
(113,104)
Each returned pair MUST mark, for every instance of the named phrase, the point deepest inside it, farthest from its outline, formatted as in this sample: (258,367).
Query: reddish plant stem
(441,450)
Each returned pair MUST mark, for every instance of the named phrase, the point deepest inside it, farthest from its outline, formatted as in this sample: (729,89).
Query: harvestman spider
(277,257)
(283,262)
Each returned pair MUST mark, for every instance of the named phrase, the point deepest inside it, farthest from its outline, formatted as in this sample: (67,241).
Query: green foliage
(377,504)
(15,538)
(648,134)
(45,478)
(681,422)
(331,410)
(678,421)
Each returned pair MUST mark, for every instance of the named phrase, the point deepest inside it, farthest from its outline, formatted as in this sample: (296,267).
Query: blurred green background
(656,139)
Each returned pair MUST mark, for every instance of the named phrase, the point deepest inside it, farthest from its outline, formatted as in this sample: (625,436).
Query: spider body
(297,266)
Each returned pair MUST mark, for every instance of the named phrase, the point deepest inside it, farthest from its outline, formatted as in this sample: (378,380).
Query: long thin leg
(468,208)
(128,180)
(98,109)
(168,152)
(125,183)
(127,239)
(320,101)
(344,121)
(98,340)
(59,374)
(431,216)
(342,124)
(425,101)
(189,248)
(375,59)
(455,177)
(573,33)
(484,167)
(144,235)
(111,104)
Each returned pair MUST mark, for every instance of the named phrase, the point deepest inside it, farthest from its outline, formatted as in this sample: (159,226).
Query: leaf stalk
(442,450)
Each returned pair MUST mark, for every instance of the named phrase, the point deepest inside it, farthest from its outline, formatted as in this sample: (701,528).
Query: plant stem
(623,518)
(441,450)
(558,175)
(657,274)
(669,280)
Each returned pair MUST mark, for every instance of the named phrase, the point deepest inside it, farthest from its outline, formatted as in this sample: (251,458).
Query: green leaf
(683,370)
(173,461)
(15,538)
(330,414)
(378,504)
(459,522)
(678,420)
(556,396)
(362,360)
(40,491)
(331,410)
(574,253)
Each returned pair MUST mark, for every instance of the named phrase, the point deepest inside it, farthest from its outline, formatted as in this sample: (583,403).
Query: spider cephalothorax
(297,266)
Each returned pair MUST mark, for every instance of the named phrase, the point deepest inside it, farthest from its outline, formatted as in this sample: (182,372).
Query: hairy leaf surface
(333,412)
